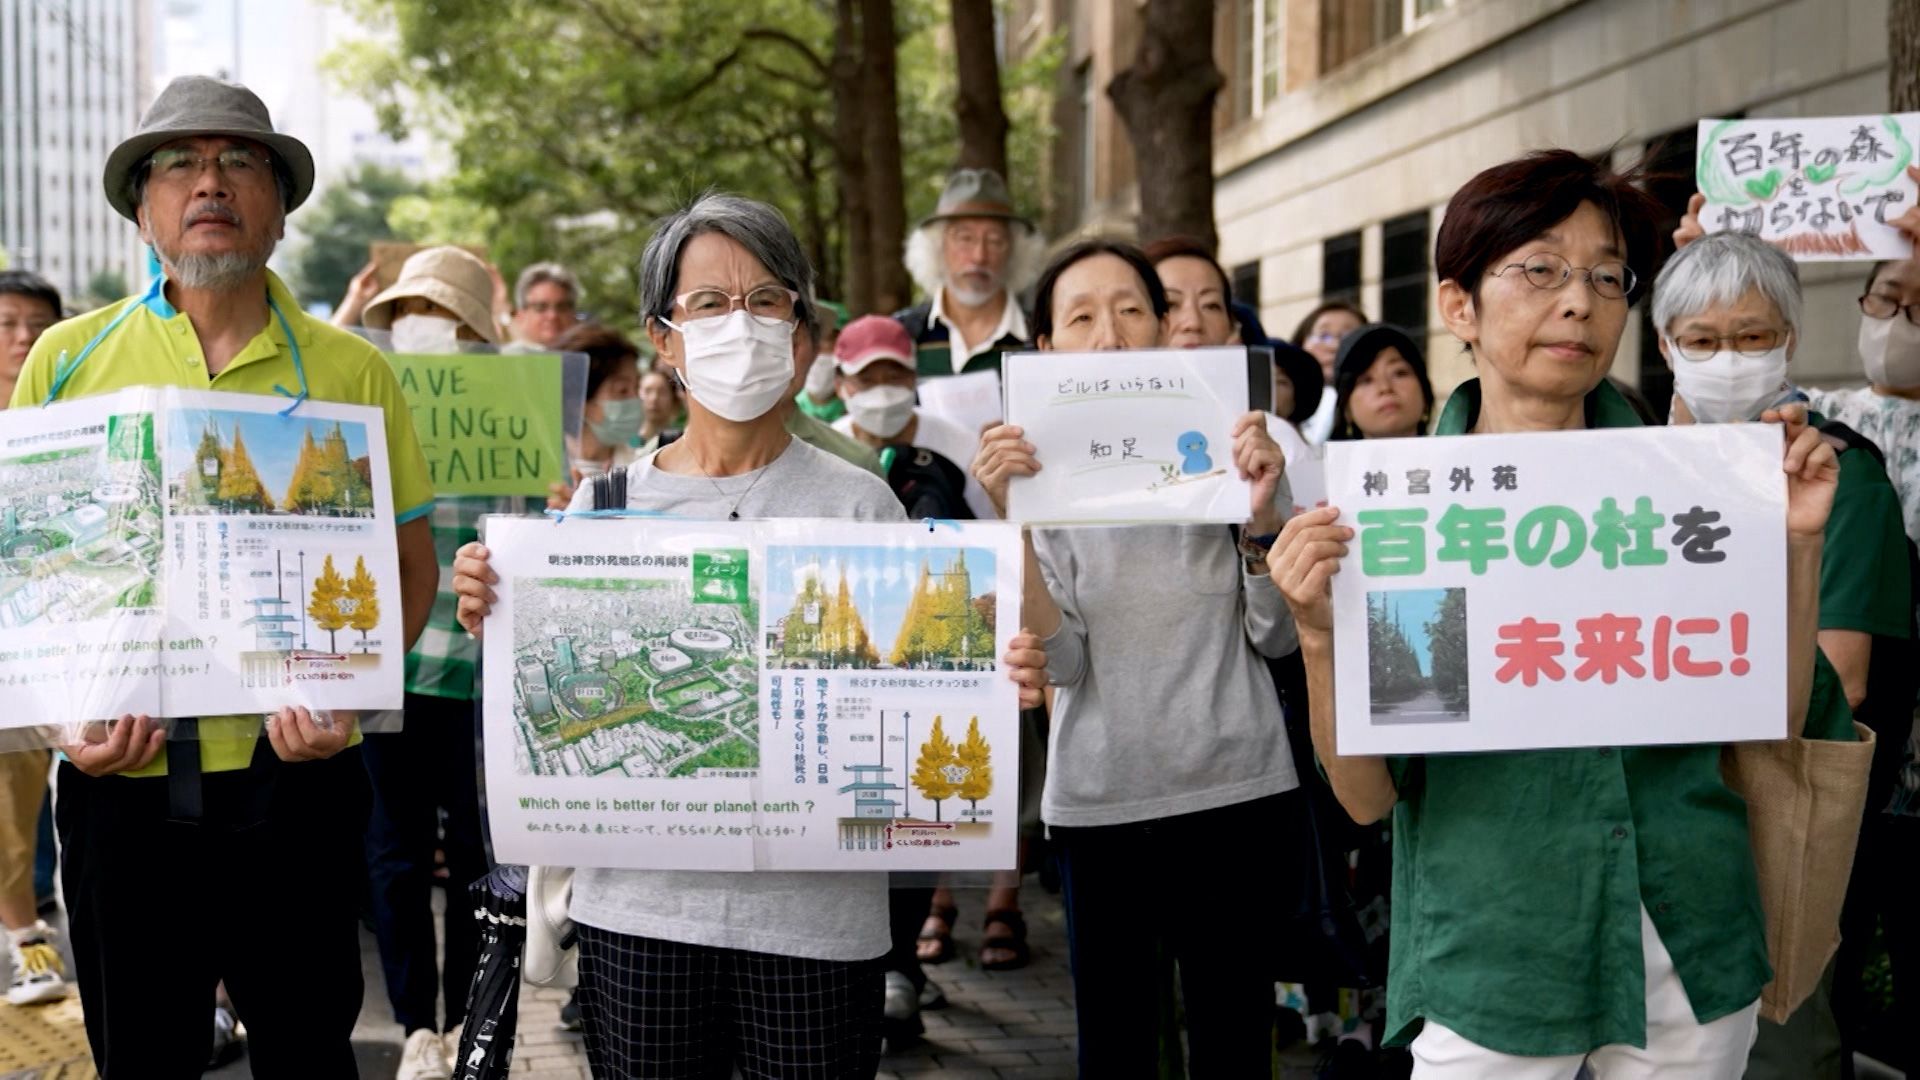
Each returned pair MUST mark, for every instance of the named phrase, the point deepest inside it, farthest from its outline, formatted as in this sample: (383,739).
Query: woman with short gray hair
(688,973)
(1727,309)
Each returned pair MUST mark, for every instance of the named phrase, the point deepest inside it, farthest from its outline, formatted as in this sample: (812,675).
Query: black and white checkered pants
(657,1009)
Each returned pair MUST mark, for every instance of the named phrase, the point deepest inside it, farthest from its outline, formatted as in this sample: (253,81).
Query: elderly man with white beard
(190,860)
(972,257)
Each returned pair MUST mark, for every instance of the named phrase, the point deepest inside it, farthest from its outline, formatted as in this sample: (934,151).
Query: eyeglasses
(542,307)
(771,303)
(1612,280)
(1750,343)
(1875,306)
(994,240)
(235,162)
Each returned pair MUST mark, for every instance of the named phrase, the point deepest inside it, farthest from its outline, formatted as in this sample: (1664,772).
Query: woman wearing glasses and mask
(1590,907)
(689,973)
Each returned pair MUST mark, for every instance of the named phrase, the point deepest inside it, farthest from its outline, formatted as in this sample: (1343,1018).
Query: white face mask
(737,367)
(1727,387)
(881,410)
(619,422)
(425,334)
(1890,350)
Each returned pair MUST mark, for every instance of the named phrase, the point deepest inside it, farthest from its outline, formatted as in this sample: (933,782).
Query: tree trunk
(850,160)
(1166,102)
(886,188)
(1903,54)
(983,120)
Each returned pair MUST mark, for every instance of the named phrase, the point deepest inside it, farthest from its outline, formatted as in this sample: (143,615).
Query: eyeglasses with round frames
(1875,306)
(1611,280)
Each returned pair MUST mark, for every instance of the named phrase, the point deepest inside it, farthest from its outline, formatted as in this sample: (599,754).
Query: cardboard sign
(1131,436)
(1503,593)
(778,695)
(1821,188)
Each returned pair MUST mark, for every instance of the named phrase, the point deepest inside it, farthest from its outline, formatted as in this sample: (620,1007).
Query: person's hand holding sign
(1302,565)
(473,582)
(1813,472)
(131,742)
(1003,455)
(298,735)
(1026,662)
(1259,460)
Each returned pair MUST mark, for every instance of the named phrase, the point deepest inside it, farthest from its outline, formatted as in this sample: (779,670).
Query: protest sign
(1306,465)
(782,695)
(1821,188)
(488,424)
(970,399)
(1503,593)
(182,553)
(1132,436)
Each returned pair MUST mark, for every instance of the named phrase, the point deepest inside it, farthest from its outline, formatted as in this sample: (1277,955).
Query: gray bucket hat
(197,105)
(975,193)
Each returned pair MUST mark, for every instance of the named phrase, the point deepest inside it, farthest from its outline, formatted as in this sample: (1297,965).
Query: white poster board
(1130,436)
(1306,468)
(970,399)
(781,695)
(1821,188)
(1503,593)
(183,553)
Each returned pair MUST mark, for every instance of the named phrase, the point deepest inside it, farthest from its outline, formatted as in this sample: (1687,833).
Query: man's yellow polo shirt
(156,346)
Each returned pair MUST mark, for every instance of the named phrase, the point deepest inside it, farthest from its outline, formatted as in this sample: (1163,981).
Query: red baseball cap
(870,338)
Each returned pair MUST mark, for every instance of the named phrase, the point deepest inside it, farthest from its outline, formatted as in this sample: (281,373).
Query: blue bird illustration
(1194,446)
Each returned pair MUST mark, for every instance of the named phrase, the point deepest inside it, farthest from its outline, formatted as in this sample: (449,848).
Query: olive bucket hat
(195,105)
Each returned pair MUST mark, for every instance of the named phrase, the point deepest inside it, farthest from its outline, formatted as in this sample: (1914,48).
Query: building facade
(74,79)
(1346,125)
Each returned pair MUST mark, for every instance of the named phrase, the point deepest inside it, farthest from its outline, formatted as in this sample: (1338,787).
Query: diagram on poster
(192,554)
(774,695)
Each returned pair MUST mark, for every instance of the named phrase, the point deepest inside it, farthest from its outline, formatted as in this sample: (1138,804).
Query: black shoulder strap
(914,319)
(1852,439)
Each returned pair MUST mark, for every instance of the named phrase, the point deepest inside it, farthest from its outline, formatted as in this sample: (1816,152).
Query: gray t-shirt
(820,916)
(1165,706)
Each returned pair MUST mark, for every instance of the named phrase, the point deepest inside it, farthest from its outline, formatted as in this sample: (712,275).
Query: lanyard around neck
(63,370)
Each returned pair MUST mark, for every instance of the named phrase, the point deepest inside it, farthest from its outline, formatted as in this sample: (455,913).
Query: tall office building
(74,78)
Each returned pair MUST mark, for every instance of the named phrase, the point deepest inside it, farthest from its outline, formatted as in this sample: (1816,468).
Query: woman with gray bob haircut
(1727,308)
(686,973)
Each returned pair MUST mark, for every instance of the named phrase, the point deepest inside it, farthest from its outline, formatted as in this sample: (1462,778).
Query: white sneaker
(902,1000)
(39,975)
(424,1058)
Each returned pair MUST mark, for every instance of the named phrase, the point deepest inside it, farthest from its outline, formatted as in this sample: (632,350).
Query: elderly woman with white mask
(691,973)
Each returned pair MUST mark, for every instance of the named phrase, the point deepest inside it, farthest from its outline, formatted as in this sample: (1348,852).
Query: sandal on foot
(943,936)
(1015,943)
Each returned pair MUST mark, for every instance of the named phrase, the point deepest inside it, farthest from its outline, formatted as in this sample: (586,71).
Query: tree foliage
(366,601)
(930,769)
(1393,666)
(581,121)
(240,489)
(323,606)
(336,230)
(1447,642)
(975,755)
(327,480)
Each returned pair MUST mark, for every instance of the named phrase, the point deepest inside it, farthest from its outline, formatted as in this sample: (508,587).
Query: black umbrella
(493,1000)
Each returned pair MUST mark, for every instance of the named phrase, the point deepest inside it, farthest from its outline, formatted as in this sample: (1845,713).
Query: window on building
(1404,272)
(1340,268)
(1350,28)
(1259,56)
(1245,280)
(1418,11)
(1083,94)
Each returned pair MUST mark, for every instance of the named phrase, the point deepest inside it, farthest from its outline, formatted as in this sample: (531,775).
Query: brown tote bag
(1804,802)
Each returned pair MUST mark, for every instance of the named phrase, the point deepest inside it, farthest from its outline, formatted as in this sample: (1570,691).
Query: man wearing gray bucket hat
(199,852)
(971,257)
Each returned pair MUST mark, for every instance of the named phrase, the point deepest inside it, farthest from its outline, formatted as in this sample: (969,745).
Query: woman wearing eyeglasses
(698,974)
(1566,908)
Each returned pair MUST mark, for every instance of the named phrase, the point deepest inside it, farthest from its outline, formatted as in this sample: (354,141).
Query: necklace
(733,514)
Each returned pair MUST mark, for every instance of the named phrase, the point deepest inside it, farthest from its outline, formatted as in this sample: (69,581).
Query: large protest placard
(782,695)
(492,423)
(1132,436)
(1604,588)
(182,553)
(1822,188)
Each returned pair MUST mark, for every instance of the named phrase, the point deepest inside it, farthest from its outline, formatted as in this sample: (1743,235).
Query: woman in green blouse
(1565,907)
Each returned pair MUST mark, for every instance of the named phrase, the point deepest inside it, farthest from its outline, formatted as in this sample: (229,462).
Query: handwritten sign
(1822,188)
(1129,436)
(489,425)
(1501,594)
(970,399)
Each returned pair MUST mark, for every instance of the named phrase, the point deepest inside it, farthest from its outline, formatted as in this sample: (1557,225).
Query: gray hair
(1720,268)
(540,273)
(927,263)
(759,228)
